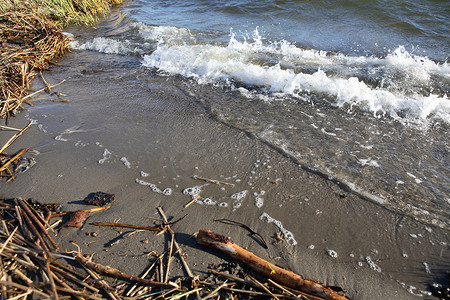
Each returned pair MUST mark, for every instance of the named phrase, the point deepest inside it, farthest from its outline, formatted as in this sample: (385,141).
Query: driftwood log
(277,274)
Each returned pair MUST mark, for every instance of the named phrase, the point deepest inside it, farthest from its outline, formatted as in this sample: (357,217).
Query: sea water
(354,90)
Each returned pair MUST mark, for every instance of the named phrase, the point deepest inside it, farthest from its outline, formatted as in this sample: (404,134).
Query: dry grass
(31,38)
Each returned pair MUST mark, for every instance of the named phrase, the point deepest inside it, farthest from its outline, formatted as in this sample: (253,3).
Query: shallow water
(355,91)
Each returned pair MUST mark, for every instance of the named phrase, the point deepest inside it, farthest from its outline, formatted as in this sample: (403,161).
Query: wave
(400,85)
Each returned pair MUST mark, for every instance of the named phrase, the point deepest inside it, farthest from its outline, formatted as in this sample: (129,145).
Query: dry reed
(31,38)
(29,41)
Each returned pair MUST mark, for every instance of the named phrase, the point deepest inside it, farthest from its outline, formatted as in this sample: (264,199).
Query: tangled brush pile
(29,41)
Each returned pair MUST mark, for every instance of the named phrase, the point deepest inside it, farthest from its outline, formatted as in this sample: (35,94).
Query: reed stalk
(31,38)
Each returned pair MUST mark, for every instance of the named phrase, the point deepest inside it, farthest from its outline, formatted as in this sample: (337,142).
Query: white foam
(164,34)
(368,162)
(240,61)
(106,155)
(372,264)
(427,268)
(125,162)
(142,182)
(105,45)
(332,253)
(238,198)
(286,233)
(193,191)
(259,200)
(209,201)
(167,191)
(154,188)
(60,138)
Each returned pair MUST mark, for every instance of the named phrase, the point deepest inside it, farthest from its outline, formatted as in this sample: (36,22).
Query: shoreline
(134,133)
(162,131)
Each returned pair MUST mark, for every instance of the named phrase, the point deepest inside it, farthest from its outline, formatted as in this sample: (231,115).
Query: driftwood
(277,274)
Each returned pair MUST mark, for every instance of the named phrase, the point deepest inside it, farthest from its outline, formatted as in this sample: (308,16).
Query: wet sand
(120,113)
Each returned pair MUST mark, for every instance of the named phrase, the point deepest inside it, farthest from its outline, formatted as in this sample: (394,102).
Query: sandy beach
(126,130)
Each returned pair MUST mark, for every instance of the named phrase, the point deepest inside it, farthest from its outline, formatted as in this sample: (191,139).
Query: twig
(188,271)
(36,233)
(129,293)
(178,296)
(112,224)
(263,287)
(214,292)
(85,210)
(5,165)
(40,90)
(253,293)
(108,290)
(69,289)
(49,89)
(52,281)
(24,288)
(169,258)
(190,202)
(115,272)
(66,272)
(246,227)
(9,128)
(232,277)
(21,296)
(14,137)
(28,209)
(213,181)
(8,239)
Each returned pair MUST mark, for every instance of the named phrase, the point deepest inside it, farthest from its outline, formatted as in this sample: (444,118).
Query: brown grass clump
(29,41)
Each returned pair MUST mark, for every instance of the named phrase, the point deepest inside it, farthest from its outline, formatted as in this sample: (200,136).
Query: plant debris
(33,267)
(29,41)
(7,161)
(76,219)
(99,198)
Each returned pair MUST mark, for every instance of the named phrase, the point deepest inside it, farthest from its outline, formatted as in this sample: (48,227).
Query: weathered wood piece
(278,274)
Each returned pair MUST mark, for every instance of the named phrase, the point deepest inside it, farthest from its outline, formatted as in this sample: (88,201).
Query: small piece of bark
(76,219)
(278,274)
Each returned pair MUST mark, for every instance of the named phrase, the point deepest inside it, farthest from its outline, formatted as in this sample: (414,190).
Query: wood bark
(265,268)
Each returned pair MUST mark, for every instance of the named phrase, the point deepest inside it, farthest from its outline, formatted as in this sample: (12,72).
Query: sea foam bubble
(286,233)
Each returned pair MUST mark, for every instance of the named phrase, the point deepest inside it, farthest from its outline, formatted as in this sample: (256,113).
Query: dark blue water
(365,27)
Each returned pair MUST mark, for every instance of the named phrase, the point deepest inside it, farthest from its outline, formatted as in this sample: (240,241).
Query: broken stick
(278,274)
(117,273)
(14,137)
(112,224)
